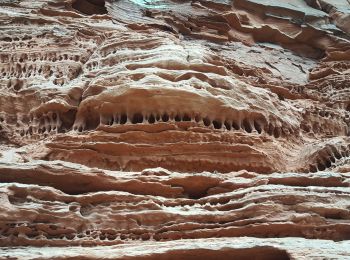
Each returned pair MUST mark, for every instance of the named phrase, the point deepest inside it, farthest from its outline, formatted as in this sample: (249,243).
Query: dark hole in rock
(111,237)
(177,118)
(228,126)
(151,119)
(90,7)
(165,118)
(321,167)
(337,154)
(92,122)
(137,119)
(280,97)
(313,168)
(19,197)
(145,237)
(67,119)
(217,124)
(206,121)
(276,133)
(123,119)
(7,39)
(270,129)
(246,126)
(18,86)
(70,236)
(197,194)
(235,125)
(186,117)
(328,163)
(257,127)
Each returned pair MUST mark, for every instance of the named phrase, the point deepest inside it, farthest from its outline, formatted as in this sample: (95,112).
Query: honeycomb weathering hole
(90,7)
(169,129)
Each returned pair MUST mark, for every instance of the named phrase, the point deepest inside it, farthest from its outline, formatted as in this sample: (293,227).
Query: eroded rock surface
(174,129)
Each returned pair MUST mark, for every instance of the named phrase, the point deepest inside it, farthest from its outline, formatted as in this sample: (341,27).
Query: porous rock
(163,129)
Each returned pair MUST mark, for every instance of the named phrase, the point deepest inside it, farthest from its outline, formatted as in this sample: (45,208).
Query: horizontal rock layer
(167,130)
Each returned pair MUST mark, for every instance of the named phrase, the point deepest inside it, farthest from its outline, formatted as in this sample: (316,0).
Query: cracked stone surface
(163,129)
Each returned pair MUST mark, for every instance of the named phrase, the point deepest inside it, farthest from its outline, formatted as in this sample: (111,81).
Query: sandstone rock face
(163,129)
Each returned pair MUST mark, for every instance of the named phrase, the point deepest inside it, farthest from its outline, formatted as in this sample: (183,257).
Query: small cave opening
(165,117)
(328,163)
(320,166)
(313,168)
(123,119)
(276,133)
(227,125)
(186,118)
(67,119)
(206,121)
(90,7)
(92,122)
(235,126)
(197,194)
(258,127)
(246,126)
(217,124)
(151,119)
(137,118)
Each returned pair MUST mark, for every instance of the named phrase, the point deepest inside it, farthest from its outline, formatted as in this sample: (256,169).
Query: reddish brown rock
(174,130)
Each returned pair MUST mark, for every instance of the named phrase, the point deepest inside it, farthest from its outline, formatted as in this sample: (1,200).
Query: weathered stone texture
(163,129)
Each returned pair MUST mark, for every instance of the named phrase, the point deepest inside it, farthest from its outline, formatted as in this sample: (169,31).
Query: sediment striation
(162,129)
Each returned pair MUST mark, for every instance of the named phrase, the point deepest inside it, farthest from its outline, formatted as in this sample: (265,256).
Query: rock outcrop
(163,129)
